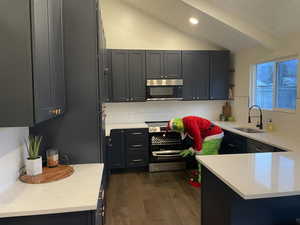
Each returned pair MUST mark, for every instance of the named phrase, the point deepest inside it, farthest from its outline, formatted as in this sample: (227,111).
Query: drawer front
(133,149)
(137,159)
(136,138)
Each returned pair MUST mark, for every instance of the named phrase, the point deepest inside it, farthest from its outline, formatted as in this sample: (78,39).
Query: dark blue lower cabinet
(75,218)
(233,144)
(237,144)
(128,148)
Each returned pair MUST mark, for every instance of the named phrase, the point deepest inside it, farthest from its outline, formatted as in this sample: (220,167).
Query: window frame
(274,88)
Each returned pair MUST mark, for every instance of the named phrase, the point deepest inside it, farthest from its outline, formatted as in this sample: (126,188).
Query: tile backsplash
(160,111)
(11,154)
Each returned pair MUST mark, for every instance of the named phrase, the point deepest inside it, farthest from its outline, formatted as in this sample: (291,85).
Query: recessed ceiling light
(194,21)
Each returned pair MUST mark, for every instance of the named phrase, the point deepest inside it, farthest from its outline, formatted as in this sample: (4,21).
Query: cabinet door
(120,90)
(56,53)
(195,67)
(137,82)
(219,75)
(172,64)
(107,76)
(116,154)
(41,61)
(154,64)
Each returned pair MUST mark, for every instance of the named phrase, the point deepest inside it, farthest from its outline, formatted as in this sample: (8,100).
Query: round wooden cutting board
(49,175)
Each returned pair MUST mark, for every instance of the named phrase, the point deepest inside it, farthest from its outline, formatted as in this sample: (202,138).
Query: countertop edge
(49,212)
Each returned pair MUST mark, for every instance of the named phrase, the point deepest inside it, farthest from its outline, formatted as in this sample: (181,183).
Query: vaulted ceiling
(232,24)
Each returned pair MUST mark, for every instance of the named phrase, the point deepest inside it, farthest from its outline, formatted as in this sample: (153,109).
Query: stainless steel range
(165,148)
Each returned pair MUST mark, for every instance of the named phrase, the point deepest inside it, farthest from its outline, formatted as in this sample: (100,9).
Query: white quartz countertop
(260,175)
(112,126)
(78,192)
(285,141)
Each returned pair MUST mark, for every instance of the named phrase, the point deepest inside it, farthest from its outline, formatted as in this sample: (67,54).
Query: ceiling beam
(235,22)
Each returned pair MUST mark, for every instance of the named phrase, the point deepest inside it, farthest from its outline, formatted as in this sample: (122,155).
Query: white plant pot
(34,166)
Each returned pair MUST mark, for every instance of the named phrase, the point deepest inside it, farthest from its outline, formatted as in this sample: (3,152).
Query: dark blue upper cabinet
(195,67)
(32,73)
(163,64)
(154,64)
(137,80)
(172,64)
(120,82)
(219,75)
(128,76)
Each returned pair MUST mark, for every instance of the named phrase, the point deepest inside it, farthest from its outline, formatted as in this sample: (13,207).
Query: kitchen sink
(248,130)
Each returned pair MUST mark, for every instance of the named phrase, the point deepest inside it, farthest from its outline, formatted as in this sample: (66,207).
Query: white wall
(243,60)
(128,28)
(11,154)
(160,111)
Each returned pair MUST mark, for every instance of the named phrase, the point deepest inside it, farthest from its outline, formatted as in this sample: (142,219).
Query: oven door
(158,90)
(165,147)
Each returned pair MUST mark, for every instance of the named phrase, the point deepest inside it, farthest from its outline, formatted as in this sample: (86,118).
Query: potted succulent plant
(33,163)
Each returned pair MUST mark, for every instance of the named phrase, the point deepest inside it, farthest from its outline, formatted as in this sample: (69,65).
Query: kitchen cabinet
(128,148)
(73,218)
(206,75)
(120,84)
(163,64)
(116,150)
(257,147)
(136,72)
(219,75)
(233,144)
(136,142)
(32,82)
(128,76)
(196,75)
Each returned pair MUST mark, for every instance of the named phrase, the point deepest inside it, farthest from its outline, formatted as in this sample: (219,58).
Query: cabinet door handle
(137,160)
(136,146)
(231,145)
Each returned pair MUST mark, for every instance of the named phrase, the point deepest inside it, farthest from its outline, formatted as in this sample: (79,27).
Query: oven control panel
(154,129)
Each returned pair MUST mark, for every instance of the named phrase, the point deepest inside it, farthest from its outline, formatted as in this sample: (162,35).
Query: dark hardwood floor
(144,198)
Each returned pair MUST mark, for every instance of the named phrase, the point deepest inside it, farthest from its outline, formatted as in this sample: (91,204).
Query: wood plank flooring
(144,198)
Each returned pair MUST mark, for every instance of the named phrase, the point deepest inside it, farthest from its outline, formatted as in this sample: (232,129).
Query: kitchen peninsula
(260,189)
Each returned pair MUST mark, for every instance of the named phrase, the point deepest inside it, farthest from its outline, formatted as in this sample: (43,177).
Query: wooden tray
(49,175)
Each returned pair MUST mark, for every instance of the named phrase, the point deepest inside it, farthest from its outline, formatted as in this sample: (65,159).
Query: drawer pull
(136,146)
(137,160)
(137,133)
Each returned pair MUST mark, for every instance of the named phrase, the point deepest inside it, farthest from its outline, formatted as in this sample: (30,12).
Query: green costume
(210,145)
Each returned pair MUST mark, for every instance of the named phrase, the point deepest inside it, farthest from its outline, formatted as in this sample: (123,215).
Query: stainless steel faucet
(260,125)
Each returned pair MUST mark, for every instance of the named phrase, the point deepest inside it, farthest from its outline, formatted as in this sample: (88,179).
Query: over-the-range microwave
(164,90)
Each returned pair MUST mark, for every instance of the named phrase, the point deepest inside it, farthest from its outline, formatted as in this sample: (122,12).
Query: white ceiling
(232,24)
(278,17)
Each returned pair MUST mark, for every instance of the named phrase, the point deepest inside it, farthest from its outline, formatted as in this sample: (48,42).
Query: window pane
(264,85)
(287,84)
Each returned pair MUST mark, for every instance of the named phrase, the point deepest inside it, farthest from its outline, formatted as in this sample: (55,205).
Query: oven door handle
(166,153)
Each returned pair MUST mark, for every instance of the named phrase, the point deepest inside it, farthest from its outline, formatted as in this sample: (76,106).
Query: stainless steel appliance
(162,90)
(165,148)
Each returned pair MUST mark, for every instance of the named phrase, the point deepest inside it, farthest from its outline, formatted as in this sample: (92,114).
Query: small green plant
(33,146)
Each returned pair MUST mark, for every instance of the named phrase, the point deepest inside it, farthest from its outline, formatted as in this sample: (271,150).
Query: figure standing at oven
(205,137)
